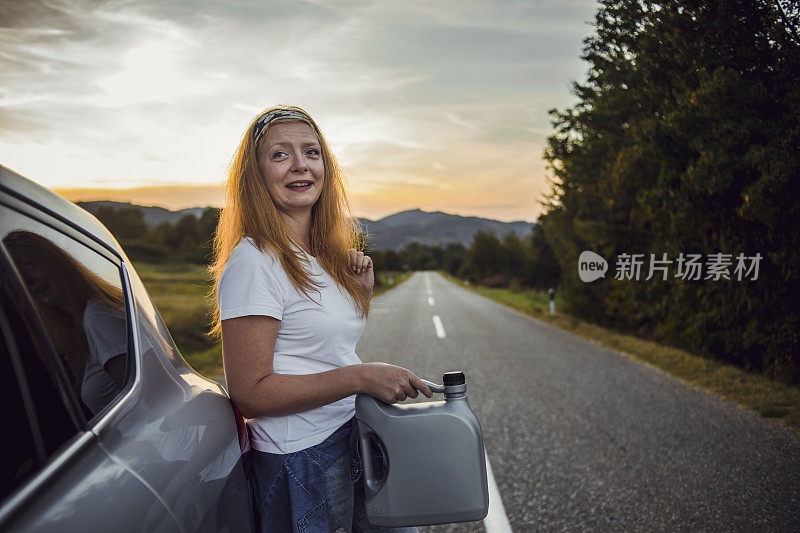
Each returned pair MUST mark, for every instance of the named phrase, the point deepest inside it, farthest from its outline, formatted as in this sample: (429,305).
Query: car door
(57,477)
(161,426)
(181,436)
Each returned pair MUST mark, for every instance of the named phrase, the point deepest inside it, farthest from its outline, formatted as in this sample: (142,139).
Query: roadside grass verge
(389,280)
(179,292)
(765,396)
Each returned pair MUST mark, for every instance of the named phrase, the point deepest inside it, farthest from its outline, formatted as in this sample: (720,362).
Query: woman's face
(43,284)
(290,161)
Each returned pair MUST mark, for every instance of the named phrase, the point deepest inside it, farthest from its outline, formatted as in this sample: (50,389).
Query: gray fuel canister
(436,469)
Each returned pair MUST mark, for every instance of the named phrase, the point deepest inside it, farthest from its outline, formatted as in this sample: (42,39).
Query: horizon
(357,216)
(429,105)
(144,197)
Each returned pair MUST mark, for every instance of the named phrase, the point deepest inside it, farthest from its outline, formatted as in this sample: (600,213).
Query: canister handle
(434,387)
(370,481)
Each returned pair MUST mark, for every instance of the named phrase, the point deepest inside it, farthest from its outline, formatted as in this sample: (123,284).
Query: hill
(433,228)
(153,215)
(389,233)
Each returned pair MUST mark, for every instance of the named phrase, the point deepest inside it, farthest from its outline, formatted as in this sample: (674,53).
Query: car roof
(46,200)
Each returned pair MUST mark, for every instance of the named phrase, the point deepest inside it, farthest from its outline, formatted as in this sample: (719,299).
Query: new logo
(591,266)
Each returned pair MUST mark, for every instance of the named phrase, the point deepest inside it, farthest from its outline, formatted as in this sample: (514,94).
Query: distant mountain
(434,228)
(153,215)
(389,233)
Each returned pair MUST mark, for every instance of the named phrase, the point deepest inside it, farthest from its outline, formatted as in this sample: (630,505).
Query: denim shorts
(318,489)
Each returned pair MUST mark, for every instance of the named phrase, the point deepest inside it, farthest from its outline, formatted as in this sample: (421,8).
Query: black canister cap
(453,378)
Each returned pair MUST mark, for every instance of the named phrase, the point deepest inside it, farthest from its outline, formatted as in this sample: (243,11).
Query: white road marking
(437,323)
(430,301)
(497,520)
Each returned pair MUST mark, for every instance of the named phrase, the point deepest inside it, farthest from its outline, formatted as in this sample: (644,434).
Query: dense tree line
(686,139)
(187,241)
(510,261)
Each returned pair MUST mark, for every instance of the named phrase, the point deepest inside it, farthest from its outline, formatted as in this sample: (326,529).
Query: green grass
(389,280)
(207,362)
(179,292)
(767,397)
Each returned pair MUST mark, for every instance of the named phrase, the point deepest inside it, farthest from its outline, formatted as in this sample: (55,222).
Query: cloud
(458,121)
(446,99)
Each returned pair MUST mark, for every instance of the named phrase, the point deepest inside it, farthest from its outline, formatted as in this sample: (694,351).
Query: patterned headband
(270,116)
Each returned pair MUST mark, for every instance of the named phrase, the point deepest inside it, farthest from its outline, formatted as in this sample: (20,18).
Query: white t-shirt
(314,336)
(107,336)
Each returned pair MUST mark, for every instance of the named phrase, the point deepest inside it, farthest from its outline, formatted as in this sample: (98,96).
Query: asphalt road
(581,437)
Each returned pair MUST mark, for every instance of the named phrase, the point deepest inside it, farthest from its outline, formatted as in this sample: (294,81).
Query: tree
(207,228)
(125,223)
(420,257)
(540,268)
(453,257)
(481,259)
(512,257)
(392,261)
(685,139)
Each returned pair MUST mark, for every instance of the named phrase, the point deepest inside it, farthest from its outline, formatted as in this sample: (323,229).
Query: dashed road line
(496,520)
(437,324)
(430,301)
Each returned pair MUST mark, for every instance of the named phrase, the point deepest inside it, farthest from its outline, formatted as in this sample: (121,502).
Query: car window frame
(133,372)
(121,403)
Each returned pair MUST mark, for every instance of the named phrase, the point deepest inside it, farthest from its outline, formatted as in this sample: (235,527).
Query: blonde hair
(249,211)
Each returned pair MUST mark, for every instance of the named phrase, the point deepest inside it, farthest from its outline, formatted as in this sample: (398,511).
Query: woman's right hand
(390,383)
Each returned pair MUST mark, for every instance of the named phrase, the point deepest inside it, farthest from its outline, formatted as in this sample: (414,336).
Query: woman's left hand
(361,266)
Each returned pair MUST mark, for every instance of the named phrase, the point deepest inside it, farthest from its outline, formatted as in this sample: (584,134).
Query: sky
(432,105)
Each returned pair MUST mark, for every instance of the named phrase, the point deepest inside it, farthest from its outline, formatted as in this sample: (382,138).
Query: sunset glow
(427,105)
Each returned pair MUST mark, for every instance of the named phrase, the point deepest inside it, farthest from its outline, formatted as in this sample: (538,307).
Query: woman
(292,299)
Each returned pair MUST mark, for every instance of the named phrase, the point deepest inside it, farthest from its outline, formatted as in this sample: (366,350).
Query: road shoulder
(757,393)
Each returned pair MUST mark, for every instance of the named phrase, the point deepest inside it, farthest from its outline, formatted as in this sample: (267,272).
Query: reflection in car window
(38,422)
(79,299)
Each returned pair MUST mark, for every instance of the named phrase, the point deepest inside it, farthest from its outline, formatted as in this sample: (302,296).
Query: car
(109,428)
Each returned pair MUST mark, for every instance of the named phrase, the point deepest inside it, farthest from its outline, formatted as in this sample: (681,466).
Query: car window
(36,420)
(78,296)
(152,332)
